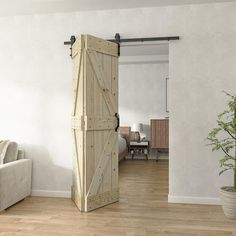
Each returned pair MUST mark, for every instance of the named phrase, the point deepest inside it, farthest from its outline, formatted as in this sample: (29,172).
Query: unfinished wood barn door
(94,123)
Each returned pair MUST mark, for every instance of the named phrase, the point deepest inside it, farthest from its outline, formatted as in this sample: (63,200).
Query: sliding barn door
(95,122)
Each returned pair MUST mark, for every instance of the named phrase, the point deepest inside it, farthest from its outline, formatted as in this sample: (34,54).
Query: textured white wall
(142,93)
(36,86)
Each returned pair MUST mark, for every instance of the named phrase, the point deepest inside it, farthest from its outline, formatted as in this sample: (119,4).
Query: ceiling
(25,7)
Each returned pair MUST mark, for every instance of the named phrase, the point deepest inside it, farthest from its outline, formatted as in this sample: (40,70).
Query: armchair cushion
(3,149)
(11,153)
(15,182)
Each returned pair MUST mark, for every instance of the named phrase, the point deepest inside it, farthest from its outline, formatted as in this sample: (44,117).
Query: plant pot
(228,199)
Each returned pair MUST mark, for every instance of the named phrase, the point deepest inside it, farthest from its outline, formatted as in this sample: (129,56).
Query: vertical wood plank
(114,92)
(89,135)
(78,83)
(106,66)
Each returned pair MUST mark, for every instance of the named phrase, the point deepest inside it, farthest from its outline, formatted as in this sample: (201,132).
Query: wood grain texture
(77,123)
(159,133)
(93,122)
(142,211)
(101,45)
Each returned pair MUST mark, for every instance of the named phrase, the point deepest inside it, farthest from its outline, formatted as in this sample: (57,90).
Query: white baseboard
(150,157)
(171,199)
(46,193)
(194,200)
(163,158)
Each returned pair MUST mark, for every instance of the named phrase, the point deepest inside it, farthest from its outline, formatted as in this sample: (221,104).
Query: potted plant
(224,138)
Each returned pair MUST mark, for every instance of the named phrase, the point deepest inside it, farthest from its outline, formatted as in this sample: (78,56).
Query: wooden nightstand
(139,148)
(160,134)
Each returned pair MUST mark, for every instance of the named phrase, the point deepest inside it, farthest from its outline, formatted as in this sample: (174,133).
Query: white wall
(36,78)
(142,93)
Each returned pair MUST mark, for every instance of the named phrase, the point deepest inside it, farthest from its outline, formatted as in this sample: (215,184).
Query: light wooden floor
(142,210)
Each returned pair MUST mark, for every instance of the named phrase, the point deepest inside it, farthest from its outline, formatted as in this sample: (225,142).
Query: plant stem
(235,148)
(235,178)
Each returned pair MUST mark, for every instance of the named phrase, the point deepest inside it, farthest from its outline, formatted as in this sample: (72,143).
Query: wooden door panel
(95,180)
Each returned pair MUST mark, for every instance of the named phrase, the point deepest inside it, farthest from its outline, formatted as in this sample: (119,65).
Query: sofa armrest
(15,182)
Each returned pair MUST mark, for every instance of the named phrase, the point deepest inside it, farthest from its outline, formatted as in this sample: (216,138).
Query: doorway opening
(144,116)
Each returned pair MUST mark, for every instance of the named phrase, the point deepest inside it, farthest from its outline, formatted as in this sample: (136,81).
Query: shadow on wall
(47,176)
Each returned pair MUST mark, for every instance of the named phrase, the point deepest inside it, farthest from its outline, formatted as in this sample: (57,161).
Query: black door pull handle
(118,121)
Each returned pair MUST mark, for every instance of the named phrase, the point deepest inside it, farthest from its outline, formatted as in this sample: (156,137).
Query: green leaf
(227,128)
(221,172)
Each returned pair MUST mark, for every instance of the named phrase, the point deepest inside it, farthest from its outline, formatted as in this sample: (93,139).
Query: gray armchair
(15,176)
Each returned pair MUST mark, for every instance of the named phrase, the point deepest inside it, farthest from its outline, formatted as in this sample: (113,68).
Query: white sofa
(15,179)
